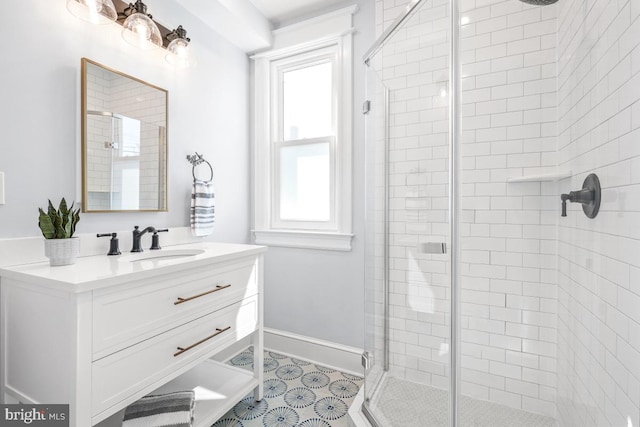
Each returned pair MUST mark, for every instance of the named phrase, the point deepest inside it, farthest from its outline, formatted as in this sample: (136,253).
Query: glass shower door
(408,274)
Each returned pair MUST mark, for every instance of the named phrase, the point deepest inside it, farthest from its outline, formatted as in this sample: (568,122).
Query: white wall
(599,259)
(40,116)
(317,293)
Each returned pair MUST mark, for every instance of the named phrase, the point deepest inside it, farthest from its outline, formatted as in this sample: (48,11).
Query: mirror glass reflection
(124,142)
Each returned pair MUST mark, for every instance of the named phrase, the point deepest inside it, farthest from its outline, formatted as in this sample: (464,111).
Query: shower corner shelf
(555,176)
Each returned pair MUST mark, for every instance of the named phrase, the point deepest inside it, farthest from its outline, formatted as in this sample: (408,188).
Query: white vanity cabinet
(106,331)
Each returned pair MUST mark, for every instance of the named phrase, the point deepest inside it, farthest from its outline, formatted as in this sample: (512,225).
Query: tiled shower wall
(517,324)
(508,110)
(414,67)
(509,298)
(599,259)
(98,131)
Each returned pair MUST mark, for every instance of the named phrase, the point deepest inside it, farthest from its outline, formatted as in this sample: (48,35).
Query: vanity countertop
(100,271)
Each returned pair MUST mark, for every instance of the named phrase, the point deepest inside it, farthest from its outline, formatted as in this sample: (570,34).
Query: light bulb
(139,30)
(142,32)
(179,53)
(94,7)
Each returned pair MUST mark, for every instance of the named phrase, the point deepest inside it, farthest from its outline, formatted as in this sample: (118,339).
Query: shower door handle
(437,248)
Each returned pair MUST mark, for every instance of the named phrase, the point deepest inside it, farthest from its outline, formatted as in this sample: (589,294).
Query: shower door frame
(453,196)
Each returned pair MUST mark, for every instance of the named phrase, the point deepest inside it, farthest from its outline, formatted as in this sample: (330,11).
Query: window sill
(304,239)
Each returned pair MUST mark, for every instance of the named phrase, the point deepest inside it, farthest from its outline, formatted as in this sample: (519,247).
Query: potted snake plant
(58,226)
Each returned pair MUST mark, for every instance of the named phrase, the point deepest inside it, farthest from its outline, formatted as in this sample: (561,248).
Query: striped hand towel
(203,206)
(172,409)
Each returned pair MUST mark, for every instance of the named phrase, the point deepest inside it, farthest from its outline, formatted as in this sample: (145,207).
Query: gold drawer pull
(218,332)
(218,288)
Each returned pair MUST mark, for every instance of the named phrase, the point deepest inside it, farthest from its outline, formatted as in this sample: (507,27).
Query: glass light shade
(94,11)
(139,30)
(179,53)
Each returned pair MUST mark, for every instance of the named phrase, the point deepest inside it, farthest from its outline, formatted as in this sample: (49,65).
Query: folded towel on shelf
(203,202)
(171,409)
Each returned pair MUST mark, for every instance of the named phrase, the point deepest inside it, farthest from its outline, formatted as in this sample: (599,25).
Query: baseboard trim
(14,396)
(337,356)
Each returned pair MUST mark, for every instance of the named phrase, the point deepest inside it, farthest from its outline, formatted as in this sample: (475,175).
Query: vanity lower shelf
(218,387)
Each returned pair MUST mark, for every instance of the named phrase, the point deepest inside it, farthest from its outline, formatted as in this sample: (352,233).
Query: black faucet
(137,235)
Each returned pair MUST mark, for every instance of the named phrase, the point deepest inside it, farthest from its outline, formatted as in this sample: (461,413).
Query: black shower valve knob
(589,197)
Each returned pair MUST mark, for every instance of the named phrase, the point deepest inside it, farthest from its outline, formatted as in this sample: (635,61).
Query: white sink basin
(162,254)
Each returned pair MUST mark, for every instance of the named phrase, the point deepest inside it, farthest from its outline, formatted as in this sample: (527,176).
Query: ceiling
(248,23)
(279,11)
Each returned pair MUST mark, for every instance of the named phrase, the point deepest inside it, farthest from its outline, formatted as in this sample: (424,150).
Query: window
(302,155)
(307,98)
(304,113)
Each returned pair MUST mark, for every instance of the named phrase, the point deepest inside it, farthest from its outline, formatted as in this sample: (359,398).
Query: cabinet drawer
(125,317)
(143,367)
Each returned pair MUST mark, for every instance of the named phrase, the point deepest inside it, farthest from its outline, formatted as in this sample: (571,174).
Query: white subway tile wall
(509,296)
(550,305)
(98,133)
(414,66)
(599,259)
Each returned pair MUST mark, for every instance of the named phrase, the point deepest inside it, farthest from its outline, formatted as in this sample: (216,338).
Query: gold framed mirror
(124,142)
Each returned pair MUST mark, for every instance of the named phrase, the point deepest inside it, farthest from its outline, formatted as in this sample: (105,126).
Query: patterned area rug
(296,393)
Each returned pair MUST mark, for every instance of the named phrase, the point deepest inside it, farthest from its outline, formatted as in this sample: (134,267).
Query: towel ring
(196,161)
(193,172)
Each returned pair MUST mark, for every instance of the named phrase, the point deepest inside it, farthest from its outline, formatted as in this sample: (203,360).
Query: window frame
(315,41)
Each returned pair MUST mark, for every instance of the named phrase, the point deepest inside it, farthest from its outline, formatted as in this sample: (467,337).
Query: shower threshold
(402,403)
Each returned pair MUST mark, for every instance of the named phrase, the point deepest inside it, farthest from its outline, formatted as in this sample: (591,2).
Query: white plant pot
(62,251)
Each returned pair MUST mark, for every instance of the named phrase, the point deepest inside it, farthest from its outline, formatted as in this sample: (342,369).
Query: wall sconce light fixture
(139,28)
(179,51)
(94,11)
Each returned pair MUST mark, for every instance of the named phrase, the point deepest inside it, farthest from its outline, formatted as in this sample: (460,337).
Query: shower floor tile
(296,393)
(402,403)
